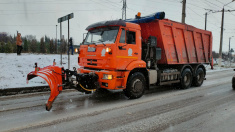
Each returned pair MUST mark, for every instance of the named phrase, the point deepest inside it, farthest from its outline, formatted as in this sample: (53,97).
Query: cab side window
(123,36)
(131,37)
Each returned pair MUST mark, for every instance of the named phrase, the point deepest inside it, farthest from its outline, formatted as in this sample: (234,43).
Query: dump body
(180,43)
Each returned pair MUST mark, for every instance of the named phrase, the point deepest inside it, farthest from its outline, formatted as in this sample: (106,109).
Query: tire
(186,79)
(233,83)
(199,77)
(136,85)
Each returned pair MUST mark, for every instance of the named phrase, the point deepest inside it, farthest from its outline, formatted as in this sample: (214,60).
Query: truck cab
(111,50)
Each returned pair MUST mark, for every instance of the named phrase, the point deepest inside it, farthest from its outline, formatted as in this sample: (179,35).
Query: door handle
(121,48)
(136,53)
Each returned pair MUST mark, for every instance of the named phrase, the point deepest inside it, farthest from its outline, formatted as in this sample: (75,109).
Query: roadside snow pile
(14,69)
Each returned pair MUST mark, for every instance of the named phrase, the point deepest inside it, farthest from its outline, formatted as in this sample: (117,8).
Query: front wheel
(186,79)
(136,85)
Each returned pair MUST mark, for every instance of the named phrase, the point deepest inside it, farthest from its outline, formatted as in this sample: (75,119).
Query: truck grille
(92,62)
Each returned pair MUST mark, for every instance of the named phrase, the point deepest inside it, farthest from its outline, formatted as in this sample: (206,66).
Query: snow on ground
(14,69)
(225,65)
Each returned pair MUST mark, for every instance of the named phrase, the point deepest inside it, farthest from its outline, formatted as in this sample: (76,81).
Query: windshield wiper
(102,42)
(93,43)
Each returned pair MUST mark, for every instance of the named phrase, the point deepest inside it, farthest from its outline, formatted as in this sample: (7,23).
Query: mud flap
(54,77)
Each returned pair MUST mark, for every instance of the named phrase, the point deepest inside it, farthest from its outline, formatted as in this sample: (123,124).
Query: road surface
(210,107)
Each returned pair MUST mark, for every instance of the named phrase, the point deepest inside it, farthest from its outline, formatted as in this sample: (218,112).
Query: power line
(53,12)
(196,6)
(111,3)
(27,25)
(165,0)
(220,2)
(102,4)
(59,10)
(50,3)
(201,17)
(213,4)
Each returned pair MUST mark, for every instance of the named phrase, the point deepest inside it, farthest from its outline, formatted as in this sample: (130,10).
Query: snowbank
(14,69)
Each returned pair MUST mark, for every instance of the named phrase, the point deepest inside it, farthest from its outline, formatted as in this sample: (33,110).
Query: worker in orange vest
(19,44)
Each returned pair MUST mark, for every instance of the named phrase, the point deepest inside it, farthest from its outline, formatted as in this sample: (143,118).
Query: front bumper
(117,81)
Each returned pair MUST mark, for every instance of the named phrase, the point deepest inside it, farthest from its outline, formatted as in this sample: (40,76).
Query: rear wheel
(136,85)
(186,79)
(199,78)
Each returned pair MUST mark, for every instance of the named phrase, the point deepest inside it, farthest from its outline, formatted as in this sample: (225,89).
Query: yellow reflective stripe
(126,57)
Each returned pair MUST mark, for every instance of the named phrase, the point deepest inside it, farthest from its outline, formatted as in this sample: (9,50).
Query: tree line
(47,45)
(31,44)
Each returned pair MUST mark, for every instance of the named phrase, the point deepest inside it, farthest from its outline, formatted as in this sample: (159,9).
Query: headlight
(108,50)
(107,77)
(76,50)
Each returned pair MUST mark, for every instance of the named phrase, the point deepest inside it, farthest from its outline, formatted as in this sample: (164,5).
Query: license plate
(91,49)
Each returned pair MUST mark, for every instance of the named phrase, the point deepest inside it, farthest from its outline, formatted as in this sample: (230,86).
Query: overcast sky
(39,17)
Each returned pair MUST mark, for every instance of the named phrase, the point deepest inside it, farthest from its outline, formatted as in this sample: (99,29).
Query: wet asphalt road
(210,107)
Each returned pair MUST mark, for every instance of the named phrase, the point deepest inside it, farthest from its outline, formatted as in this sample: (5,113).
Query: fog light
(107,77)
(105,84)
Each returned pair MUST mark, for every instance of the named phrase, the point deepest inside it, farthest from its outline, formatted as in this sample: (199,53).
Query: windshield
(102,35)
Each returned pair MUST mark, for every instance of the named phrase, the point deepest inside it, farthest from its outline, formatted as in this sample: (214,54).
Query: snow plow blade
(54,77)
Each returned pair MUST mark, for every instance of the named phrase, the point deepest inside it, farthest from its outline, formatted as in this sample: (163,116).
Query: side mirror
(83,41)
(84,35)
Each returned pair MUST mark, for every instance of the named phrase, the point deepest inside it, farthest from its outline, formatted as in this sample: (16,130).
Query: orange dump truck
(134,54)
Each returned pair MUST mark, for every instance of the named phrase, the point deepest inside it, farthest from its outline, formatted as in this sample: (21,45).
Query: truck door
(127,50)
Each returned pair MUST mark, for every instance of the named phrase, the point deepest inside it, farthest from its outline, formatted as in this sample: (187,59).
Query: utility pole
(221,38)
(183,11)
(124,10)
(61,44)
(56,39)
(205,20)
(221,32)
(68,47)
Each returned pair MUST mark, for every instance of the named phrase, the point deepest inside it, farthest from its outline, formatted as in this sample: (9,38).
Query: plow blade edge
(53,76)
